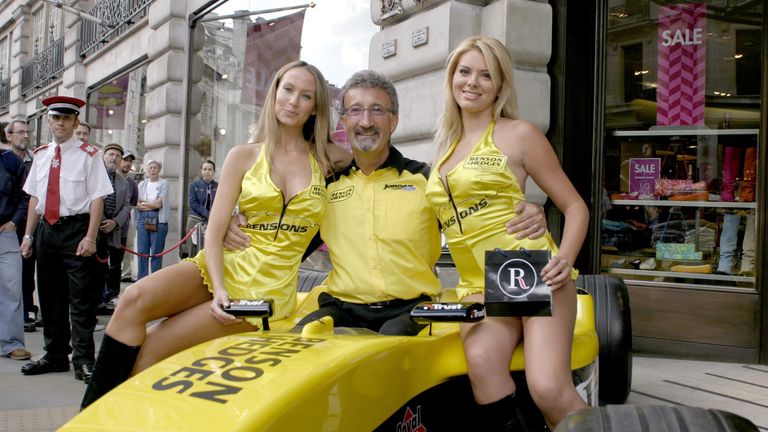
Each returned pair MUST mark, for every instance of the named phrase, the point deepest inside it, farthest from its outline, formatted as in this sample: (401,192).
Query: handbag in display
(513,284)
(150,224)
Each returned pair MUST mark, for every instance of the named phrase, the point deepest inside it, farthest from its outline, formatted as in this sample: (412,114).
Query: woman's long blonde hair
(317,129)
(500,65)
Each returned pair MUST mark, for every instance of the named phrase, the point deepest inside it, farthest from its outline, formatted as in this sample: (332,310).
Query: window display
(681,143)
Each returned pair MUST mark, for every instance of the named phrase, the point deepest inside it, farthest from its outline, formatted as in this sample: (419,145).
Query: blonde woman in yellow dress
(278,181)
(485,154)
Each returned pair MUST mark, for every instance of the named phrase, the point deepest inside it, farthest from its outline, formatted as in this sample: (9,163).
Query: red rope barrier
(186,237)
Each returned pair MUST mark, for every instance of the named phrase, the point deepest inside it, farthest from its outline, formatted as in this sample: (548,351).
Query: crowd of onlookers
(130,237)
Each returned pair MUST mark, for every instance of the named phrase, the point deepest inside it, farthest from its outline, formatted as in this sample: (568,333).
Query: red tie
(52,195)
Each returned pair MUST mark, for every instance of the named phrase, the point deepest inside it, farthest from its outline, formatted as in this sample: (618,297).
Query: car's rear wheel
(614,331)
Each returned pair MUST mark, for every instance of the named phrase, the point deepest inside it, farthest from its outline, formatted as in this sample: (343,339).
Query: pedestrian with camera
(278,181)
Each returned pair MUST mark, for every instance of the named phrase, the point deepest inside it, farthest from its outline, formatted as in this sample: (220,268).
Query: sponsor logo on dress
(317,192)
(485,163)
(463,214)
(341,195)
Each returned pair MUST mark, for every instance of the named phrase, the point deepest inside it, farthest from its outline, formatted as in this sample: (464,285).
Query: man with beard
(126,164)
(13,206)
(117,208)
(67,185)
(17,132)
(382,236)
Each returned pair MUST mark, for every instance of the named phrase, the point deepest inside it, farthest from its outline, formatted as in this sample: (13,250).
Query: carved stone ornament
(390,8)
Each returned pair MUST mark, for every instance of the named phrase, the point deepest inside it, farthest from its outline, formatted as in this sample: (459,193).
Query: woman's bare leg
(184,330)
(165,293)
(548,343)
(488,348)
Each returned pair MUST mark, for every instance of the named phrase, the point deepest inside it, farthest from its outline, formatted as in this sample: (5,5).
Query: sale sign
(643,175)
(682,64)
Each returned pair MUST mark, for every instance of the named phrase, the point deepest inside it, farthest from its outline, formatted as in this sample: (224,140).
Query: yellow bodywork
(281,381)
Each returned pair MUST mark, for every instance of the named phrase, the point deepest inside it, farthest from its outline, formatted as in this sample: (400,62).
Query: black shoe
(128,279)
(30,327)
(83,373)
(44,366)
(39,323)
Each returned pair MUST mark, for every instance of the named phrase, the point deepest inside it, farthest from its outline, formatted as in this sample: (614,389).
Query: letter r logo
(517,278)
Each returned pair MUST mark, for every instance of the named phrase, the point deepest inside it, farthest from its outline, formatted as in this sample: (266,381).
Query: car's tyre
(614,331)
(654,418)
(309,279)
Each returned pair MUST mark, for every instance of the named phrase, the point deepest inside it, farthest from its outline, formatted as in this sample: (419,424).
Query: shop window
(242,50)
(681,145)
(116,111)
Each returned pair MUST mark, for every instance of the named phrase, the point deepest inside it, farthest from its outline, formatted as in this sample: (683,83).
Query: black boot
(113,366)
(503,415)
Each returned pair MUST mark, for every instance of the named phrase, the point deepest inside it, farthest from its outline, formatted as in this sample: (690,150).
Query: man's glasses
(21,132)
(374,111)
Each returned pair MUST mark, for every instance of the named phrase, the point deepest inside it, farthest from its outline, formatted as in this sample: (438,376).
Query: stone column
(20,48)
(165,75)
(414,43)
(73,82)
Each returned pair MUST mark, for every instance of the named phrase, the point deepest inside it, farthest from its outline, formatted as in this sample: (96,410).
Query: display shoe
(698,268)
(44,366)
(649,264)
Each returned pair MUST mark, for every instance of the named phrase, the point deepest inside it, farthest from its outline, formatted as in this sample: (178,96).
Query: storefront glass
(117,111)
(681,142)
(245,42)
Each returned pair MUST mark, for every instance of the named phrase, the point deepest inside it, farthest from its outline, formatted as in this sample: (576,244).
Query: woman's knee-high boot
(503,415)
(113,366)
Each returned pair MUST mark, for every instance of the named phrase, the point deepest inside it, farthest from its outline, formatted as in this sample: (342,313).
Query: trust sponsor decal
(487,163)
(341,195)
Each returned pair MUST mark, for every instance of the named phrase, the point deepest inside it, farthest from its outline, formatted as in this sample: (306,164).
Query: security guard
(66,184)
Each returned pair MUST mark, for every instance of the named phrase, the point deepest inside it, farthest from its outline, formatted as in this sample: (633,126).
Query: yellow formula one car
(349,379)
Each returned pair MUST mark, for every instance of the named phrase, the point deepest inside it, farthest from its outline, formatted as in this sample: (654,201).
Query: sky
(336,35)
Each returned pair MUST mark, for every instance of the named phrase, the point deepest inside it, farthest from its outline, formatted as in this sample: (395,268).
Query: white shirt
(153,191)
(82,179)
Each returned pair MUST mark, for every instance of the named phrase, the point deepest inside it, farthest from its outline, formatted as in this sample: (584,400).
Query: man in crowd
(67,185)
(17,132)
(126,164)
(117,208)
(13,206)
(382,236)
(83,132)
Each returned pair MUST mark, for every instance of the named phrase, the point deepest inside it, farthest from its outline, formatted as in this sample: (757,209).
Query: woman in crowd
(152,227)
(201,195)
(277,180)
(479,122)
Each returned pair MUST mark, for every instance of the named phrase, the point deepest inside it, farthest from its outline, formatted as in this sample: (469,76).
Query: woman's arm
(530,153)
(237,162)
